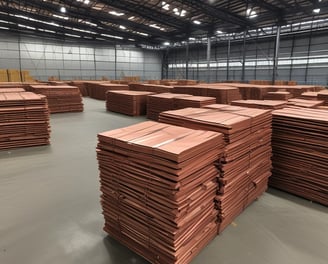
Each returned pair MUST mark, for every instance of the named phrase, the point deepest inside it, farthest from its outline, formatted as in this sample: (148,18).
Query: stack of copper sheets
(60,98)
(13,85)
(11,90)
(279,95)
(158,103)
(294,102)
(323,95)
(81,85)
(98,90)
(193,101)
(132,103)
(223,94)
(300,152)
(309,96)
(24,120)
(154,88)
(158,184)
(245,166)
(261,104)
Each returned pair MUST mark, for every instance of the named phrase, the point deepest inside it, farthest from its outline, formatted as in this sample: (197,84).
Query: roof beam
(67,23)
(146,12)
(221,13)
(96,16)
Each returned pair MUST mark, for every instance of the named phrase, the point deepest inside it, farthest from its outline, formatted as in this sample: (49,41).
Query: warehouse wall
(302,57)
(67,60)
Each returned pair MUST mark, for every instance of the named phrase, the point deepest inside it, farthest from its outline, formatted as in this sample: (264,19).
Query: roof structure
(152,22)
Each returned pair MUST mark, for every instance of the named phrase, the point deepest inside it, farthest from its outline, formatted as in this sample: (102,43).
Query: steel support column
(291,59)
(308,55)
(244,57)
(276,56)
(228,60)
(208,57)
(165,64)
(115,62)
(187,60)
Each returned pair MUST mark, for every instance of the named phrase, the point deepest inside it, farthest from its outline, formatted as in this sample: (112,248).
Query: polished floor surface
(50,211)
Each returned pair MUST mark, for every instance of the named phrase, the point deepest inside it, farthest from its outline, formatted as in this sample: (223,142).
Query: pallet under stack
(158,185)
(60,98)
(300,153)
(246,164)
(24,120)
(133,103)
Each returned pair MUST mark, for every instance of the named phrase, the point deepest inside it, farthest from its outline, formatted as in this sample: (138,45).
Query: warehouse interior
(73,193)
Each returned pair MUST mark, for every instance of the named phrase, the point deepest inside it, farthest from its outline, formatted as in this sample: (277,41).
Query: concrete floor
(50,211)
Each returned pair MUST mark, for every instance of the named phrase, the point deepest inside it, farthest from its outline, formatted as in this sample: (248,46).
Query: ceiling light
(192,38)
(111,36)
(219,32)
(131,39)
(4,28)
(115,13)
(141,33)
(166,43)
(131,17)
(122,27)
(175,10)
(63,9)
(250,13)
(62,17)
(154,26)
(86,1)
(316,10)
(197,22)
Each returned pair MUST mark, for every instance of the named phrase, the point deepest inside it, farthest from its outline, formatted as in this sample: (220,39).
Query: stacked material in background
(193,101)
(300,152)
(294,102)
(261,104)
(132,103)
(14,85)
(14,75)
(154,88)
(223,94)
(24,120)
(258,92)
(323,95)
(11,90)
(158,103)
(3,75)
(279,95)
(26,77)
(60,98)
(246,164)
(57,83)
(309,96)
(81,85)
(158,185)
(250,91)
(98,90)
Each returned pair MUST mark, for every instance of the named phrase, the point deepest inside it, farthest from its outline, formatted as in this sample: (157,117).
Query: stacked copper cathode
(133,103)
(300,152)
(246,164)
(24,120)
(158,185)
(61,98)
